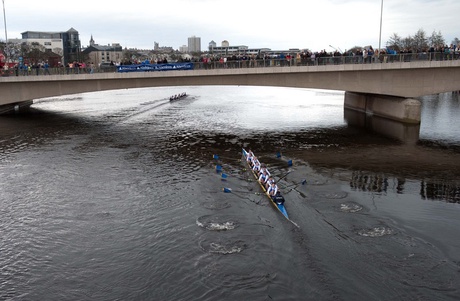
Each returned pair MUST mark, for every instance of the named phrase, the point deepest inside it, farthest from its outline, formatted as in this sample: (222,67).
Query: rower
(278,198)
(268,181)
(256,166)
(273,189)
(263,168)
(249,156)
(263,177)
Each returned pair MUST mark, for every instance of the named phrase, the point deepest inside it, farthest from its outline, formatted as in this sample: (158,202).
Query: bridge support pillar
(394,117)
(15,107)
(405,110)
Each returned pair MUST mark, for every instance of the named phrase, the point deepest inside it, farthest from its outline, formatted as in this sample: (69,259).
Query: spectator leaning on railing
(357,55)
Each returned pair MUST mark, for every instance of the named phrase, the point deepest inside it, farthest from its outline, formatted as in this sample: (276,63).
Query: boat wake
(224,249)
(350,208)
(215,206)
(221,246)
(375,232)
(216,223)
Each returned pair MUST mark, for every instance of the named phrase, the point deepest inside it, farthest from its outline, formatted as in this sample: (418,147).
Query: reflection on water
(440,119)
(121,188)
(440,191)
(405,132)
(429,190)
(366,182)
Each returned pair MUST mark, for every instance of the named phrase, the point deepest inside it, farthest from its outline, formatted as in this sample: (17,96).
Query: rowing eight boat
(281,208)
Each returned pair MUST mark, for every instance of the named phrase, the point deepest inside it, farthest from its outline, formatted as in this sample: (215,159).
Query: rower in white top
(268,182)
(263,168)
(256,165)
(273,189)
(263,176)
(250,156)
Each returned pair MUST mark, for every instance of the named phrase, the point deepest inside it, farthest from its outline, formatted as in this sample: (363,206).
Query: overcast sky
(271,24)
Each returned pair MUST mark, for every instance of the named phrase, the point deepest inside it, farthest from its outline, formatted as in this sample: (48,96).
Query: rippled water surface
(115,196)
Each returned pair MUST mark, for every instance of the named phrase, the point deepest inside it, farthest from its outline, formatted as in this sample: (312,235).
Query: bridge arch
(382,86)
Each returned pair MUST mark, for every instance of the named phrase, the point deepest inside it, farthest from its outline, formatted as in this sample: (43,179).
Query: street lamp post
(381,16)
(4,21)
(6,36)
(339,50)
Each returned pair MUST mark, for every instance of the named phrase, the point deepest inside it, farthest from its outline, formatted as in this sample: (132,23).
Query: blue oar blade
(289,163)
(224,176)
(226,190)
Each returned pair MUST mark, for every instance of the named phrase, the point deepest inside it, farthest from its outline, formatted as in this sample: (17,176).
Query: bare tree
(59,51)
(9,51)
(130,55)
(395,42)
(436,39)
(420,41)
(408,42)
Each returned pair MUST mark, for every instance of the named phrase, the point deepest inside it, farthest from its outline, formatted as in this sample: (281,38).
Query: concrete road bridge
(388,90)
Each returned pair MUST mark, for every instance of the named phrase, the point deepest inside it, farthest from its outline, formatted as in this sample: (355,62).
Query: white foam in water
(376,232)
(213,226)
(350,208)
(218,248)
(219,227)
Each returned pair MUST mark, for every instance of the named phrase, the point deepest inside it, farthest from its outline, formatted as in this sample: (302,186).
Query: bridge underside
(15,107)
(385,91)
(404,80)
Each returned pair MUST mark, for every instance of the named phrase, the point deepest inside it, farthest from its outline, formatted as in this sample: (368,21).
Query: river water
(115,196)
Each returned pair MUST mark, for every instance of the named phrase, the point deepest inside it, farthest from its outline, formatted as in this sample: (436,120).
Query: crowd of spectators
(357,55)
(43,68)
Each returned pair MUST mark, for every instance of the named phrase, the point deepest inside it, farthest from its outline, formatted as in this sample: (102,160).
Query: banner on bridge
(155,67)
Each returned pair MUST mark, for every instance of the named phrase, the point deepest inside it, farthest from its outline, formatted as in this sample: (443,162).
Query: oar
(229,190)
(280,165)
(229,169)
(303,182)
(217,157)
(219,168)
(288,172)
(224,177)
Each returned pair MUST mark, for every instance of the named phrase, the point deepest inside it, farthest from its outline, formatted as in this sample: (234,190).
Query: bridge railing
(261,63)
(329,60)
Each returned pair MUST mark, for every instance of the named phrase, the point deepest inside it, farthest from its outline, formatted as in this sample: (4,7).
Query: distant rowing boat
(177,96)
(281,208)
